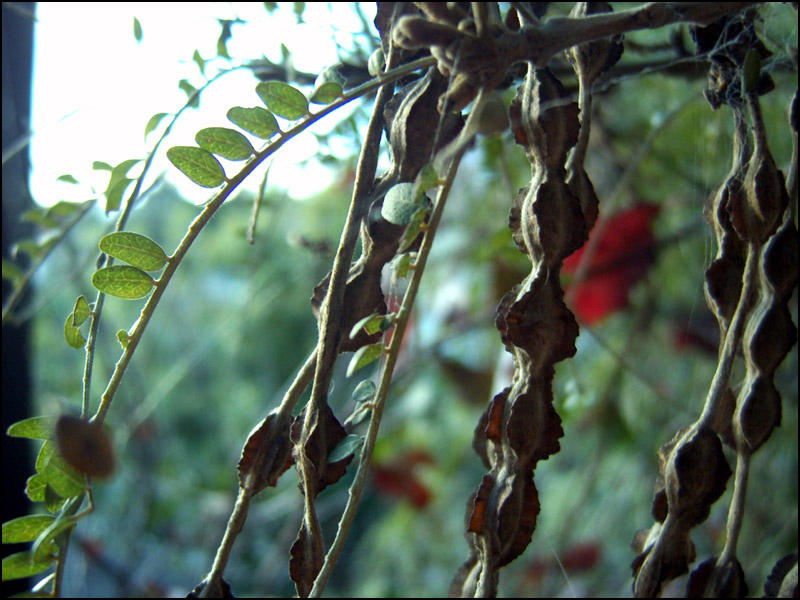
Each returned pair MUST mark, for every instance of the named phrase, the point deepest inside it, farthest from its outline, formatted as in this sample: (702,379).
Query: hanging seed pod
(85,446)
(711,581)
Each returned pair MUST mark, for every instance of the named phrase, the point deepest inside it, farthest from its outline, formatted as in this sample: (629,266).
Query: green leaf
(399,204)
(426,179)
(371,324)
(52,500)
(137,30)
(72,334)
(199,61)
(45,542)
(114,194)
(257,120)
(283,99)
(35,487)
(62,209)
(191,93)
(66,179)
(404,264)
(349,445)
(364,356)
(123,338)
(21,564)
(99,165)
(25,529)
(153,122)
(135,249)
(364,391)
(123,282)
(34,428)
(413,228)
(80,312)
(376,63)
(12,272)
(198,165)
(327,93)
(228,143)
(64,480)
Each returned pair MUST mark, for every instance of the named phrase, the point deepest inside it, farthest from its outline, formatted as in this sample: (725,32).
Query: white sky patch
(95,87)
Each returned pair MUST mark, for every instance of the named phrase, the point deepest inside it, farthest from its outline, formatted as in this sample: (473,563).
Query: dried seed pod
(696,474)
(709,580)
(412,32)
(593,58)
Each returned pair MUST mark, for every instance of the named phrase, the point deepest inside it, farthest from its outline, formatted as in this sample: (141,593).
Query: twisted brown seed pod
(520,427)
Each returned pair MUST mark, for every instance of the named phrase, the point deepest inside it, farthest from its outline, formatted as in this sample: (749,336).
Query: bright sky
(95,87)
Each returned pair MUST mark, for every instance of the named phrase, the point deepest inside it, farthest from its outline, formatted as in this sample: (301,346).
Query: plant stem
(736,509)
(401,323)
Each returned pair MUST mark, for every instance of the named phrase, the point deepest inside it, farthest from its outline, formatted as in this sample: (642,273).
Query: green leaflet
(283,99)
(25,529)
(399,204)
(64,480)
(349,445)
(153,122)
(123,282)
(35,487)
(327,93)
(135,249)
(80,312)
(22,564)
(364,391)
(198,165)
(34,428)
(228,143)
(258,121)
(72,334)
(364,356)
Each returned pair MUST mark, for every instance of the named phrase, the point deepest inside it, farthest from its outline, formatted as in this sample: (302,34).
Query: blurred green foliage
(235,324)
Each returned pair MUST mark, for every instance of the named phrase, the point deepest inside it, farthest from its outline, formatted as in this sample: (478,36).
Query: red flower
(620,256)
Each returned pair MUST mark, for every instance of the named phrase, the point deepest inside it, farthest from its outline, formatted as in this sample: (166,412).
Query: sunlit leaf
(123,282)
(327,93)
(257,120)
(99,165)
(135,249)
(228,143)
(364,391)
(67,179)
(426,179)
(21,564)
(364,356)
(198,165)
(283,99)
(25,529)
(404,264)
(153,122)
(53,501)
(63,209)
(137,30)
(34,428)
(349,445)
(80,311)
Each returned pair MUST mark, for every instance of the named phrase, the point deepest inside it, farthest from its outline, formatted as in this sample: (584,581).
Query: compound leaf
(34,428)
